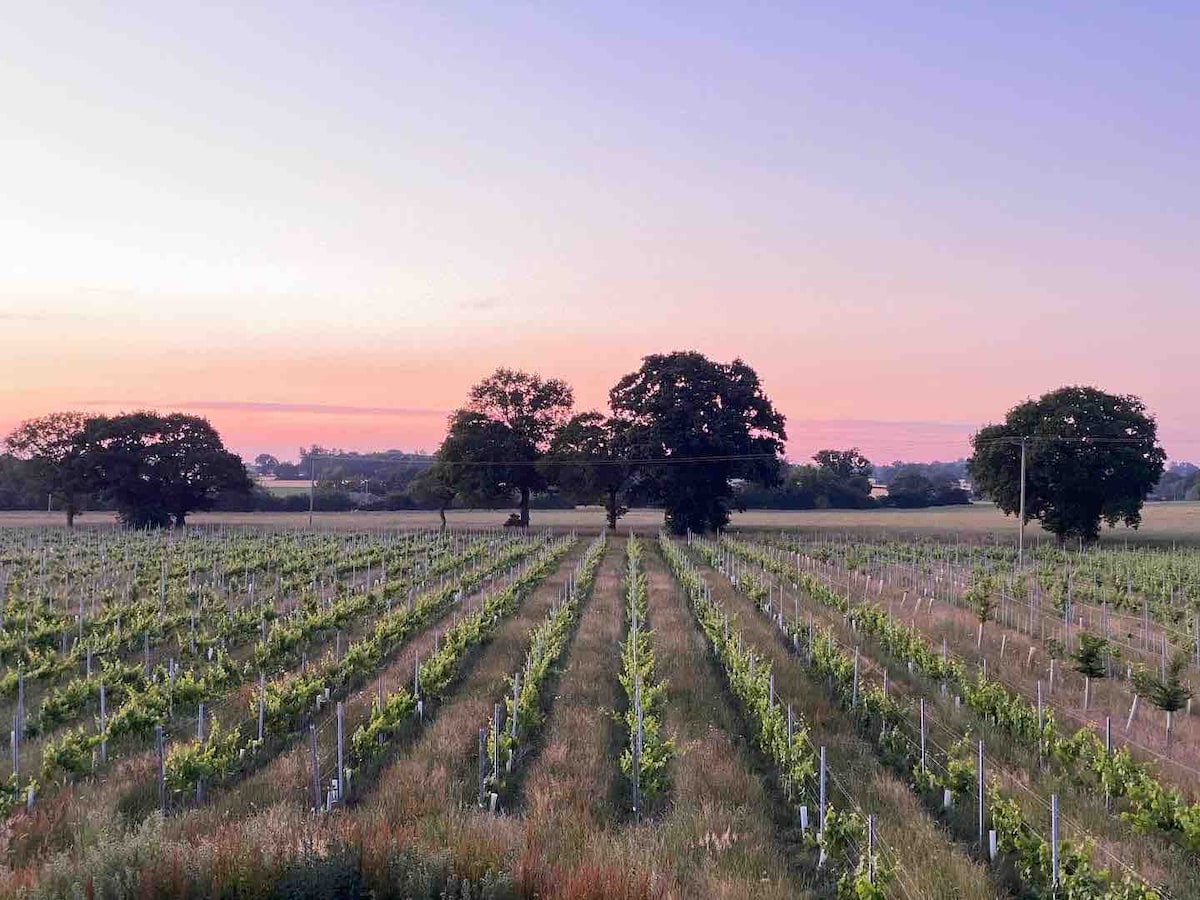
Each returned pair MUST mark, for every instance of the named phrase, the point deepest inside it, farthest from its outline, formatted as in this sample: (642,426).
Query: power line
(680,459)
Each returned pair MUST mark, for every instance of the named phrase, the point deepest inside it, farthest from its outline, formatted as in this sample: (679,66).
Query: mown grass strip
(783,739)
(525,703)
(1022,843)
(1151,805)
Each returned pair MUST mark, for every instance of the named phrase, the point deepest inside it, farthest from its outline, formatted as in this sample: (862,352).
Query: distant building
(878,491)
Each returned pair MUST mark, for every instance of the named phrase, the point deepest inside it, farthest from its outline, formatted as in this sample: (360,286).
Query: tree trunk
(442,514)
(1170,722)
(524,507)
(611,509)
(70,516)
(979,637)
(1087,687)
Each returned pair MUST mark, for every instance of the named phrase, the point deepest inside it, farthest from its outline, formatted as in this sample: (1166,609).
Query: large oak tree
(158,469)
(694,425)
(496,440)
(1090,456)
(53,447)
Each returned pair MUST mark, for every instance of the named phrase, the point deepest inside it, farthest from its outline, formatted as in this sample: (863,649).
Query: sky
(321,223)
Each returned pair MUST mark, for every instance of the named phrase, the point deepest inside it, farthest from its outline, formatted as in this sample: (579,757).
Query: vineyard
(499,713)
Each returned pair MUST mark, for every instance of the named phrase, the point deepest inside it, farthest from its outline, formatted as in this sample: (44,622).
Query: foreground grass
(412,825)
(1153,856)
(929,862)
(724,834)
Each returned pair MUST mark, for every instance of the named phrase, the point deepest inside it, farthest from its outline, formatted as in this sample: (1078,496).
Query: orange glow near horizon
(906,221)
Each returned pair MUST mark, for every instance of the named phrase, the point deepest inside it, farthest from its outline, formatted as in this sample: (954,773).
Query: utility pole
(312,484)
(1021,526)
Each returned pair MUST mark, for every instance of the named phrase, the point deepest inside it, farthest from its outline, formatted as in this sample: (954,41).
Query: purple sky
(907,219)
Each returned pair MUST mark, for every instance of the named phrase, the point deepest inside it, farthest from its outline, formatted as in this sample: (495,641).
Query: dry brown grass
(931,865)
(569,788)
(715,838)
(719,836)
(573,845)
(1161,522)
(1085,817)
(1110,697)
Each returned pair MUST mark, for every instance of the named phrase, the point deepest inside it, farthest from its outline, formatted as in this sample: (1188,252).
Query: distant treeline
(1181,481)
(385,481)
(836,479)
(844,479)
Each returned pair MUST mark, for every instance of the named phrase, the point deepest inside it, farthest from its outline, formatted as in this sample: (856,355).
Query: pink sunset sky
(322,224)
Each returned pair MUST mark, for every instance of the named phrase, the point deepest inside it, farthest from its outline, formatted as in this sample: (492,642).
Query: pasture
(1162,523)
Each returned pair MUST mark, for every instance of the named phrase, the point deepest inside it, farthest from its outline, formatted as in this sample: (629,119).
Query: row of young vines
(1150,805)
(525,701)
(881,713)
(782,737)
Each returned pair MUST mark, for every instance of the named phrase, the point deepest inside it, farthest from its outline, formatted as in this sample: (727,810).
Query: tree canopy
(51,444)
(588,461)
(693,426)
(158,469)
(1090,456)
(916,486)
(153,469)
(495,442)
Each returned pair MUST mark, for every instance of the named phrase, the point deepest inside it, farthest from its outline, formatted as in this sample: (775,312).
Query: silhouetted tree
(158,469)
(53,446)
(588,460)
(435,486)
(694,425)
(265,464)
(495,442)
(1090,456)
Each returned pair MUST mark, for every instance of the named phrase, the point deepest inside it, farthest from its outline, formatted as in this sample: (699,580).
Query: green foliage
(369,741)
(52,446)
(288,702)
(687,407)
(843,839)
(1090,456)
(1169,692)
(157,469)
(754,586)
(1082,753)
(189,763)
(981,596)
(546,646)
(637,677)
(495,441)
(589,461)
(64,703)
(960,774)
(68,755)
(795,760)
(1091,656)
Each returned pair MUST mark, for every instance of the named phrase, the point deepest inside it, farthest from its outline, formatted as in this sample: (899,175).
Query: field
(285,487)
(798,708)
(1163,523)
